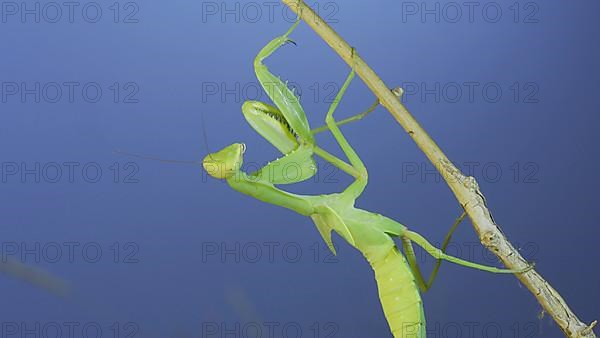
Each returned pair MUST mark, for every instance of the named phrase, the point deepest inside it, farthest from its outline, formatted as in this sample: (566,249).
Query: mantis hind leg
(437,253)
(412,259)
(409,251)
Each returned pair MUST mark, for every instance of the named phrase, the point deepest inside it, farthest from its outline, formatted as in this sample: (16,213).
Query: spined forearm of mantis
(285,125)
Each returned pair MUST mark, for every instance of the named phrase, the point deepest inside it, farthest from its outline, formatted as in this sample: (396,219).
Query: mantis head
(226,162)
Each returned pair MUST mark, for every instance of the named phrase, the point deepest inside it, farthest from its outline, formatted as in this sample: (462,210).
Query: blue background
(163,218)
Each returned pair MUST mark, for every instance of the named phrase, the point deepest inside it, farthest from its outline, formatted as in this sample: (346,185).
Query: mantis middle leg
(358,186)
(397,91)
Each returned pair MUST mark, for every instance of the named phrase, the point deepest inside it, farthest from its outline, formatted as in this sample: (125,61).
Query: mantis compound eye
(243,147)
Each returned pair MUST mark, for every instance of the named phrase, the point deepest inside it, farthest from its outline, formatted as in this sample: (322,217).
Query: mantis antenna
(204,134)
(152,158)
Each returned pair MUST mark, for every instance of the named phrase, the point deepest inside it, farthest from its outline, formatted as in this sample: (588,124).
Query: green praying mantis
(286,127)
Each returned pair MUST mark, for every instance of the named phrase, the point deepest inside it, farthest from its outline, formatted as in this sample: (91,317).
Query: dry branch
(464,188)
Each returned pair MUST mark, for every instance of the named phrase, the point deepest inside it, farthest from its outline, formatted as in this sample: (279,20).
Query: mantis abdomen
(399,295)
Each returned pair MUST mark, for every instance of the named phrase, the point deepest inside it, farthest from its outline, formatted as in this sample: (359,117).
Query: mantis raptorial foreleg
(286,126)
(267,120)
